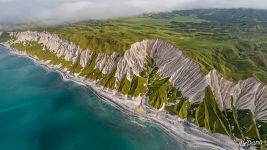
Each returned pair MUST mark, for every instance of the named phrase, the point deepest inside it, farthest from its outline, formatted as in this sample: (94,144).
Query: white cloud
(6,1)
(64,11)
(161,5)
(21,11)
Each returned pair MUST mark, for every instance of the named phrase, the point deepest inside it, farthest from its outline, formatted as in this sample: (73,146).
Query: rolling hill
(205,66)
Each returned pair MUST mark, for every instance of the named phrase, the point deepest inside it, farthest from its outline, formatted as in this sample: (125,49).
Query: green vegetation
(4,37)
(233,41)
(262,126)
(209,116)
(38,50)
(234,123)
(181,109)
(124,86)
(157,92)
(76,67)
(138,86)
(90,66)
(243,124)
(41,52)
(247,124)
(109,81)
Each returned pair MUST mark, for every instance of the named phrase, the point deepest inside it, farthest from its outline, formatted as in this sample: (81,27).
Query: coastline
(183,131)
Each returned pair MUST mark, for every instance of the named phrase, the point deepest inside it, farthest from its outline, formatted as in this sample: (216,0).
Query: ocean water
(41,111)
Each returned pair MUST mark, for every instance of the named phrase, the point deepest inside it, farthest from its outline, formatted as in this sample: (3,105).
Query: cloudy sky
(21,11)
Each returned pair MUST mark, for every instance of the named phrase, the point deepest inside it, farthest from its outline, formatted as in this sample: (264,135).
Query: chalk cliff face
(85,57)
(106,63)
(247,94)
(261,103)
(54,43)
(183,73)
(222,89)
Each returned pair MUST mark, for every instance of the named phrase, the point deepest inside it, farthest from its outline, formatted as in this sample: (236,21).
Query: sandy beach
(181,130)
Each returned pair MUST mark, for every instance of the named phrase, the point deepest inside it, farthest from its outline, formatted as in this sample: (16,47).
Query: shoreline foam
(182,131)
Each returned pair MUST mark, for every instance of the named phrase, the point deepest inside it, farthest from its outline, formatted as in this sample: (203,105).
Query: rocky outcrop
(106,63)
(183,73)
(62,48)
(222,89)
(132,62)
(85,57)
(261,103)
(247,94)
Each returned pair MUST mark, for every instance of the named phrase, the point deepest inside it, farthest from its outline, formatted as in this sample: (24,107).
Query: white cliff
(247,94)
(183,73)
(261,103)
(85,57)
(106,63)
(246,97)
(62,48)
(222,89)
(133,61)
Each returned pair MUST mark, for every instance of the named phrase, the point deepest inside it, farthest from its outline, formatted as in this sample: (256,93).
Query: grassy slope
(221,39)
(232,41)
(234,123)
(35,49)
(4,37)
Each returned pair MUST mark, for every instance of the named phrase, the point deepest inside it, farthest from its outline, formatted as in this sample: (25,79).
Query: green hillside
(236,123)
(233,41)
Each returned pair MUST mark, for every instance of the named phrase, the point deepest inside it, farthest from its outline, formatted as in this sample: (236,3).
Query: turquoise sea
(41,111)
